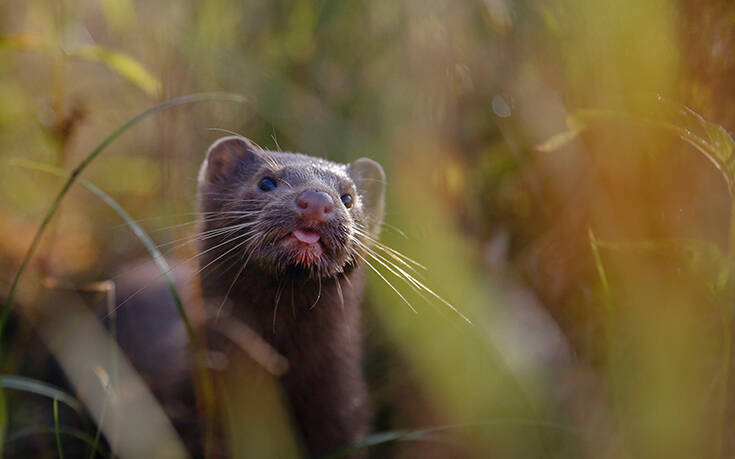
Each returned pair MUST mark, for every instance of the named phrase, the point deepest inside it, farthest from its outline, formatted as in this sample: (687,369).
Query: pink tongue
(306,236)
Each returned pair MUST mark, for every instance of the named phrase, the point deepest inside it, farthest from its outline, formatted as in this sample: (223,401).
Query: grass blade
(710,139)
(62,431)
(41,388)
(56,429)
(120,63)
(206,388)
(147,242)
(594,245)
(188,99)
(3,420)
(426,434)
(98,431)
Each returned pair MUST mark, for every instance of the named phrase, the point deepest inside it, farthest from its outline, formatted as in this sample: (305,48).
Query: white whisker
(387,282)
(339,292)
(415,284)
(275,308)
(234,281)
(319,295)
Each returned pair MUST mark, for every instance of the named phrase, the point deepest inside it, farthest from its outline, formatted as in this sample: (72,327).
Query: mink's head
(287,213)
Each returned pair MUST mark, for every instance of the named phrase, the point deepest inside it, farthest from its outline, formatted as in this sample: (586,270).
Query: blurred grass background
(595,269)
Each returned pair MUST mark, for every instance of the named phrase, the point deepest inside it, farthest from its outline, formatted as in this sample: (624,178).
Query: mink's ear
(225,156)
(369,179)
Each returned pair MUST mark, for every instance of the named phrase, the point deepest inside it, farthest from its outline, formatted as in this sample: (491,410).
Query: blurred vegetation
(564,170)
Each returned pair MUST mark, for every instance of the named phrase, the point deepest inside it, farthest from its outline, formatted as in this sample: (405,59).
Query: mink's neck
(316,327)
(280,309)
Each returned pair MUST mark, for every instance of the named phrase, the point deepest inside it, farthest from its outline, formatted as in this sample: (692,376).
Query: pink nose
(315,205)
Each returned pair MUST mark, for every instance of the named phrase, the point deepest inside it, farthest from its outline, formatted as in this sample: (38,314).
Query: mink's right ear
(369,179)
(225,156)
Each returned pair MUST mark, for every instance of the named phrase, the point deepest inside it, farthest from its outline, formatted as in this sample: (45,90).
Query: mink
(281,245)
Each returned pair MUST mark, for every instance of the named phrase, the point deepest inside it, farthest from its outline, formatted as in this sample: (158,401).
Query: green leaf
(122,64)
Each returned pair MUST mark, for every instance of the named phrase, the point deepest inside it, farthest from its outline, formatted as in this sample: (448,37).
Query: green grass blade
(62,431)
(192,98)
(147,242)
(120,63)
(41,388)
(3,421)
(124,65)
(98,431)
(710,139)
(56,429)
(705,260)
(594,245)
(207,388)
(380,438)
(205,384)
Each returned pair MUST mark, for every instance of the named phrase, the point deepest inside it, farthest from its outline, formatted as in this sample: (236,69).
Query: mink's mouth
(297,248)
(305,247)
(307,237)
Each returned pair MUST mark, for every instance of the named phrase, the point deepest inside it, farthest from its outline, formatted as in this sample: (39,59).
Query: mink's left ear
(225,156)
(369,179)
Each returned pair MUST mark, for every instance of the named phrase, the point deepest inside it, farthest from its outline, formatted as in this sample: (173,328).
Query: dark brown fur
(308,314)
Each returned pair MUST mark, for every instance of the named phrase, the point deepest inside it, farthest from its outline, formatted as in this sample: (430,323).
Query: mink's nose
(315,206)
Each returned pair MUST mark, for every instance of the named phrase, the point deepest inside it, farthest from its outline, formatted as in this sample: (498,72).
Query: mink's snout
(315,206)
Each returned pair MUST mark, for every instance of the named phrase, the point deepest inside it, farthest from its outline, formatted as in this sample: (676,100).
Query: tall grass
(206,388)
(188,99)
(588,232)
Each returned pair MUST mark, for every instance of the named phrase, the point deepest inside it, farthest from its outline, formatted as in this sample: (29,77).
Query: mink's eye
(347,200)
(267,184)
